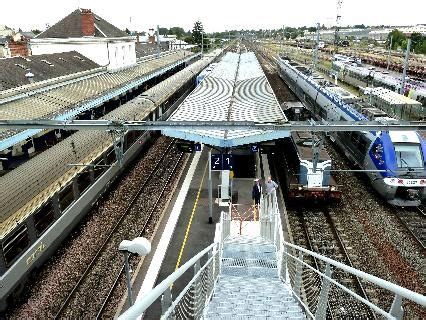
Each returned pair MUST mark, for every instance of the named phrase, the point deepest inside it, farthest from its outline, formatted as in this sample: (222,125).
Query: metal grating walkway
(249,286)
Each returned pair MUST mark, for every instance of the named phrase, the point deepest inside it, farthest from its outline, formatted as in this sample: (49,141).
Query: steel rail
(65,303)
(342,250)
(150,215)
(347,257)
(413,235)
(310,248)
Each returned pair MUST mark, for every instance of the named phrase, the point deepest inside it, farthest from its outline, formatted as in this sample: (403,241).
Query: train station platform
(236,89)
(185,229)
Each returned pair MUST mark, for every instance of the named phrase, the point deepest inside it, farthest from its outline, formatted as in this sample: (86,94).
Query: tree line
(400,40)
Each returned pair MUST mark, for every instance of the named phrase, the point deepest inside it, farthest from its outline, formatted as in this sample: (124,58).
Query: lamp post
(140,246)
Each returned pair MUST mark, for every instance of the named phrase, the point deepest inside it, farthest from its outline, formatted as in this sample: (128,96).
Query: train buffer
(253,273)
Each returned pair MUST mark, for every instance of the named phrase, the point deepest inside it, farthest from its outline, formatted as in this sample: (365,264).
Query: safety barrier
(191,301)
(319,291)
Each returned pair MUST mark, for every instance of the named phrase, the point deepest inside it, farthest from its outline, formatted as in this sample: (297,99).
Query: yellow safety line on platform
(190,219)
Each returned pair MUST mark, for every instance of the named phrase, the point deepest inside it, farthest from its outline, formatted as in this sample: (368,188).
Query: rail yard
(251,177)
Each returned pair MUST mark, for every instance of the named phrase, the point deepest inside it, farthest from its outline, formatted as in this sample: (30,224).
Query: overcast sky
(216,15)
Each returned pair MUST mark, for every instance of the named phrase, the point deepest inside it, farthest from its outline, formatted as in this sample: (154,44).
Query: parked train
(351,71)
(27,244)
(396,160)
(302,181)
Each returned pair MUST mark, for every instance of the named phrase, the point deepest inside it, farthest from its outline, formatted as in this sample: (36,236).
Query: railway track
(414,221)
(376,242)
(315,228)
(319,232)
(93,291)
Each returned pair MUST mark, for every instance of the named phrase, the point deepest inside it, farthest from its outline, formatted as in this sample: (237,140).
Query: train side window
(43,218)
(15,245)
(110,157)
(83,180)
(323,113)
(98,171)
(66,197)
(362,144)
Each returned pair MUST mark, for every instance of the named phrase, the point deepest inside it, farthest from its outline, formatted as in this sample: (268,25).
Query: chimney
(87,23)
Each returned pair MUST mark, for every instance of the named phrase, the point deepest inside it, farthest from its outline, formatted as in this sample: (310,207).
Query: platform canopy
(235,90)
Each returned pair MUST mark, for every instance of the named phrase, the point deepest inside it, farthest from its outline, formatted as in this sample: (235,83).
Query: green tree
(418,43)
(197,31)
(178,31)
(164,31)
(188,39)
(36,31)
(397,39)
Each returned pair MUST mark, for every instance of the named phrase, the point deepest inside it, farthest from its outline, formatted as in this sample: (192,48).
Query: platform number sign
(227,161)
(254,148)
(221,162)
(197,146)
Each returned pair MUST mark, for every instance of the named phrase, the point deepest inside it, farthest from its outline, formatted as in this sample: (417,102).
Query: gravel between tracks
(58,276)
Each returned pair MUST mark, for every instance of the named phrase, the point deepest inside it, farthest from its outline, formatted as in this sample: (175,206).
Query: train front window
(408,156)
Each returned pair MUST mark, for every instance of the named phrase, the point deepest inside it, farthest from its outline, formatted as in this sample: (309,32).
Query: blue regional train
(394,161)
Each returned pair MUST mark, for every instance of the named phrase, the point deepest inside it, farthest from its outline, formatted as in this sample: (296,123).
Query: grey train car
(25,246)
(302,181)
(395,160)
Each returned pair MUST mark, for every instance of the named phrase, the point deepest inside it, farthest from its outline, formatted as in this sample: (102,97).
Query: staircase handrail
(384,284)
(163,289)
(140,306)
(271,229)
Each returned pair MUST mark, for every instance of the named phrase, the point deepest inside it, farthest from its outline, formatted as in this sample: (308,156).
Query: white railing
(192,300)
(320,292)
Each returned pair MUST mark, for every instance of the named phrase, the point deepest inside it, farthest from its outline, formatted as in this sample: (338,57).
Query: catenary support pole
(158,41)
(129,285)
(404,73)
(210,188)
(389,52)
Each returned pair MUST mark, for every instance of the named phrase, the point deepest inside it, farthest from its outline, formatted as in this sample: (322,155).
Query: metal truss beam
(213,125)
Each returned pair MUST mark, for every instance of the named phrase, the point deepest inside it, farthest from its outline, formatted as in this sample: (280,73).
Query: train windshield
(408,155)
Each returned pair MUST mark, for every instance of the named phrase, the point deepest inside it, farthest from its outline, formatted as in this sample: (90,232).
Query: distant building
(5,31)
(85,32)
(170,41)
(14,46)
(379,34)
(3,49)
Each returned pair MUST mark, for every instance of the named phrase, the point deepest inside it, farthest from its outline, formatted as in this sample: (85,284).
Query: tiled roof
(43,67)
(71,27)
(146,49)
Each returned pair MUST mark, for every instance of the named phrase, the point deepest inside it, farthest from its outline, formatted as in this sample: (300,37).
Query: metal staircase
(255,274)
(249,285)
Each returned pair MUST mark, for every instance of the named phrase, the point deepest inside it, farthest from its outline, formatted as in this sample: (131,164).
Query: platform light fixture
(140,246)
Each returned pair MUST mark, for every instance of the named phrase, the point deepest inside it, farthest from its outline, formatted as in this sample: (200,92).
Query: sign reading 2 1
(222,161)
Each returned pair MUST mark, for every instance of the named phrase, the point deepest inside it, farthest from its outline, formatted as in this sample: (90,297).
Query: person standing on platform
(271,185)
(256,192)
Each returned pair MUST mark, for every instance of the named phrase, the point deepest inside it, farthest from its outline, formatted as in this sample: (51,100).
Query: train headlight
(333,188)
(300,188)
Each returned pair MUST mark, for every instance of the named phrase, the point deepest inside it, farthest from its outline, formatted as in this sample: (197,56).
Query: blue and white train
(394,161)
